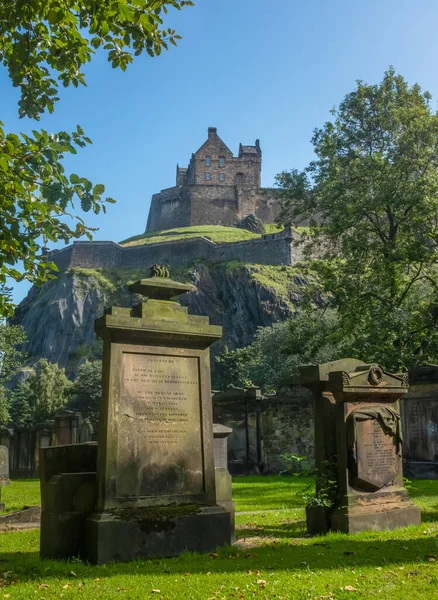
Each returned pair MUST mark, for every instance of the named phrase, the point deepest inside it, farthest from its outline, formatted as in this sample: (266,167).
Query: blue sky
(251,68)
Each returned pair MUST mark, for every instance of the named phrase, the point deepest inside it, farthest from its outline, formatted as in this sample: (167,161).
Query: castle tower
(217,188)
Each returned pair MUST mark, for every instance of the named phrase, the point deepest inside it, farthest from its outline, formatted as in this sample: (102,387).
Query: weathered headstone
(155,473)
(68,492)
(420,423)
(4,472)
(67,427)
(358,425)
(222,476)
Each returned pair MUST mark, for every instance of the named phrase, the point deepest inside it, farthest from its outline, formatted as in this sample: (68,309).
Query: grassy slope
(216,233)
(278,563)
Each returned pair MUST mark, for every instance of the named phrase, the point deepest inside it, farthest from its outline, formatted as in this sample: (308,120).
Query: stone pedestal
(68,490)
(156,493)
(222,476)
(359,445)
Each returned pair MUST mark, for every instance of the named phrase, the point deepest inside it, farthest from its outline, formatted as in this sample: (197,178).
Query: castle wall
(272,249)
(169,209)
(211,204)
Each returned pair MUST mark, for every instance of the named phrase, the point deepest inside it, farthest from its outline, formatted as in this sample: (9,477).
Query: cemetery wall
(288,427)
(266,428)
(273,249)
(419,411)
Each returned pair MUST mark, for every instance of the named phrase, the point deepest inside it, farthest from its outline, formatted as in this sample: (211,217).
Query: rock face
(251,223)
(59,317)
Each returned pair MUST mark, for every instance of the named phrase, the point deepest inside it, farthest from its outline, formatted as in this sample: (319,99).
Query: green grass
(21,493)
(216,233)
(269,492)
(271,560)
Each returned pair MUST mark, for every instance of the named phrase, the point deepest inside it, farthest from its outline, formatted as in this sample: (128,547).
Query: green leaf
(98,189)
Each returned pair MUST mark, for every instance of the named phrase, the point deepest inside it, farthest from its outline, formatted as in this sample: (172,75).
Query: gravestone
(358,440)
(420,423)
(220,440)
(67,427)
(222,476)
(4,472)
(155,470)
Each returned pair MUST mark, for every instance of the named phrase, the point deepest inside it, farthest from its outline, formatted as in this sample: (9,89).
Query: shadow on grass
(284,530)
(323,553)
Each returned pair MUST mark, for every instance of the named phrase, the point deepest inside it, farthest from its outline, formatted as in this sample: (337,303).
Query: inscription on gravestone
(377,460)
(160,426)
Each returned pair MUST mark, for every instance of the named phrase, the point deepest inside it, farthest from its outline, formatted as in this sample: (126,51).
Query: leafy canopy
(86,392)
(47,42)
(372,197)
(37,398)
(279,350)
(10,360)
(44,44)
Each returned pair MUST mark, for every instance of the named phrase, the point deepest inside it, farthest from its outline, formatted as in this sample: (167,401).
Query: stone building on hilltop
(217,188)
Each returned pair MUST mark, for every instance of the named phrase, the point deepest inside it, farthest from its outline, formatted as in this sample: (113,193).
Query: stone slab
(224,495)
(377,461)
(317,520)
(4,466)
(30,515)
(378,520)
(115,536)
(160,445)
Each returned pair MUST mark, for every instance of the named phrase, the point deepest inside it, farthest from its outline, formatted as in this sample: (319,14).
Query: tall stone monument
(358,432)
(155,471)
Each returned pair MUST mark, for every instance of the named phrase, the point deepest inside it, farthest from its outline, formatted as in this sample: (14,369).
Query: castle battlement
(270,249)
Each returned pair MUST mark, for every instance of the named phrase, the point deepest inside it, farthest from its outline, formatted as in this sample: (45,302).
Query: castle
(217,188)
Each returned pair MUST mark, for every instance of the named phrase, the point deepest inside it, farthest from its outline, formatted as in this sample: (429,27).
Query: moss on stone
(155,518)
(281,278)
(273,228)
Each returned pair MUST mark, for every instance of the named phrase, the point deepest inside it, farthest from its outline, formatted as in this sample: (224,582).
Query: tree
(22,409)
(372,197)
(86,392)
(43,44)
(37,398)
(310,336)
(50,389)
(10,360)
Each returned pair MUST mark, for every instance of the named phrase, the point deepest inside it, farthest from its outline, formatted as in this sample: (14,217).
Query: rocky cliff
(59,317)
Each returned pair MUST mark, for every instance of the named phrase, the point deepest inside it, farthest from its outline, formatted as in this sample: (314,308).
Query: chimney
(212,131)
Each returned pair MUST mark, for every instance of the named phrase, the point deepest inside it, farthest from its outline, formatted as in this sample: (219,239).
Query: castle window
(250,178)
(208,161)
(221,176)
(207,176)
(222,161)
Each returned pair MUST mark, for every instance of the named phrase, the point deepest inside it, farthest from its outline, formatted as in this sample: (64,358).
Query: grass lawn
(216,233)
(271,560)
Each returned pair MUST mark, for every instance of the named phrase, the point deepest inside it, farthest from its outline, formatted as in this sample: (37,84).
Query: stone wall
(169,209)
(265,428)
(270,249)
(419,410)
(211,204)
(288,427)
